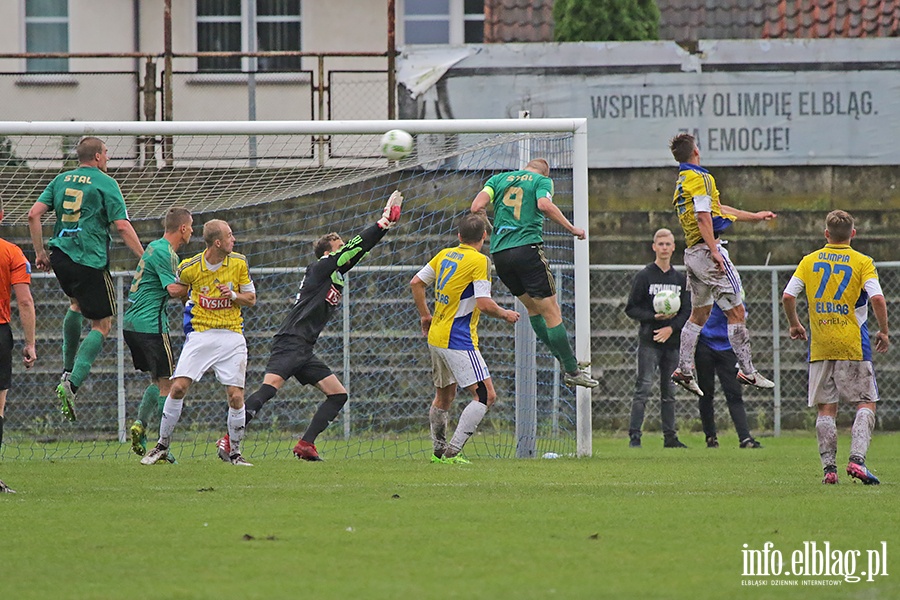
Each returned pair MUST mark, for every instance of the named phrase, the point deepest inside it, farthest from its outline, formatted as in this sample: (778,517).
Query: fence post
(345,314)
(526,386)
(120,355)
(776,351)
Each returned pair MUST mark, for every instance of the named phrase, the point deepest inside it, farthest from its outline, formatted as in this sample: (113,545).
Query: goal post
(281,184)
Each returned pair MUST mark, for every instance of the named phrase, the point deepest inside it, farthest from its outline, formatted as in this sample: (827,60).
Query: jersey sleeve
(244,278)
(184,274)
(20,268)
(490,188)
(544,188)
(46,196)
(165,265)
(426,274)
(353,251)
(868,270)
(696,185)
(114,202)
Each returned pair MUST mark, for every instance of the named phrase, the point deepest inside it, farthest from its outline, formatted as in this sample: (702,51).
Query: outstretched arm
(129,236)
(546,206)
(487,305)
(743,215)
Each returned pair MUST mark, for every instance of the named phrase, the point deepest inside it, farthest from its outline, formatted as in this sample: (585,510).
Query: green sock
(160,404)
(72,325)
(87,352)
(540,330)
(559,343)
(148,404)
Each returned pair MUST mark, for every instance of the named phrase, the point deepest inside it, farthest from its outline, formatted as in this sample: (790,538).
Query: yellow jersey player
(217,283)
(839,284)
(462,291)
(711,276)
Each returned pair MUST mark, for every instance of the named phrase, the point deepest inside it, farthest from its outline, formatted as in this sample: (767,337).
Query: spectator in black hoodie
(658,338)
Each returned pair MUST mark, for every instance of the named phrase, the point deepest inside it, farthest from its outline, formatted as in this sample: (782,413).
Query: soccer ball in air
(666,302)
(396,144)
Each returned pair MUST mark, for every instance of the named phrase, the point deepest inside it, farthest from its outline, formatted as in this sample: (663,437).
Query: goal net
(281,185)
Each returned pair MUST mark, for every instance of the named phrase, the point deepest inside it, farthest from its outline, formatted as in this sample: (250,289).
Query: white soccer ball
(666,302)
(396,144)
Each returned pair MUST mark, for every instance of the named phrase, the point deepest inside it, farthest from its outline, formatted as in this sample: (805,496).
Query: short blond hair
(662,232)
(213,230)
(539,165)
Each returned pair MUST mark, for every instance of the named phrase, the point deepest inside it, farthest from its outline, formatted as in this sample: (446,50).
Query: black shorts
(92,288)
(6,352)
(151,353)
(525,270)
(292,357)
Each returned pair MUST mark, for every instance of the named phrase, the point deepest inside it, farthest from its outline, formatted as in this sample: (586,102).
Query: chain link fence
(375,348)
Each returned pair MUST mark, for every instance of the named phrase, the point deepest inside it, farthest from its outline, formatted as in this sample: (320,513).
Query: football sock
(85,357)
(558,341)
(149,402)
(170,416)
(689,335)
(72,325)
(826,433)
(739,338)
(257,399)
(468,421)
(438,418)
(861,433)
(1,429)
(540,329)
(325,414)
(236,425)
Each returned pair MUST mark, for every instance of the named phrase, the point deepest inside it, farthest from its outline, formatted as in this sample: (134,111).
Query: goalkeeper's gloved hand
(391,213)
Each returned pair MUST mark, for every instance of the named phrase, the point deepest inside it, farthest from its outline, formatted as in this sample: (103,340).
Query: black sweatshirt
(647,282)
(321,288)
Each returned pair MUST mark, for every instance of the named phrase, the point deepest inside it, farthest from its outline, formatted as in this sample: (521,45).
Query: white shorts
(707,283)
(462,367)
(222,350)
(851,381)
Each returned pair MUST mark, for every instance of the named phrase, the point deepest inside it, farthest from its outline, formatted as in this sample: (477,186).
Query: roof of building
(685,20)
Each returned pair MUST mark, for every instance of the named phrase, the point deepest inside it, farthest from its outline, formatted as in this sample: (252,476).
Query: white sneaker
(158,453)
(686,381)
(240,461)
(756,380)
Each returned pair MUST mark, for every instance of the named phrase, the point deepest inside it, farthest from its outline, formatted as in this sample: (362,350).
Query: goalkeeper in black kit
(292,350)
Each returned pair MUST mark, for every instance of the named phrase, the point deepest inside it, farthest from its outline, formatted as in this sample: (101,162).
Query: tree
(605,20)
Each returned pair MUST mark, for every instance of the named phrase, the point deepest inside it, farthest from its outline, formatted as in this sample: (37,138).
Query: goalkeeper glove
(391,213)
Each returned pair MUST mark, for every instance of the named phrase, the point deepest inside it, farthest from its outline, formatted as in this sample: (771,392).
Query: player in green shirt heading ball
(521,199)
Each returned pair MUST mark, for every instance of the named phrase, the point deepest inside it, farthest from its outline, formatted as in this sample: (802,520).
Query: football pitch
(627,523)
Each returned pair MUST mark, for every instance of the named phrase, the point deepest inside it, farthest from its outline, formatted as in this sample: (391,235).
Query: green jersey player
(521,199)
(146,323)
(86,202)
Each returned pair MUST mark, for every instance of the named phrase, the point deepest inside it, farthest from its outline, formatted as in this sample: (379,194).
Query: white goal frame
(576,126)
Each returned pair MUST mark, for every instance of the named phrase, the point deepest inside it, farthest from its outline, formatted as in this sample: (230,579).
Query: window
(443,21)
(47,30)
(222,27)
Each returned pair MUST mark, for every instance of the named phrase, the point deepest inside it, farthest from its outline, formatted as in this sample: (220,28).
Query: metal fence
(372,346)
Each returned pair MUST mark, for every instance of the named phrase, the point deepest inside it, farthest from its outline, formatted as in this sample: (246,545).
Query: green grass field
(628,523)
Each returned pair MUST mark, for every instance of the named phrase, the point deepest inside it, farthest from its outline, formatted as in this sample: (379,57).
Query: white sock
(438,418)
(861,433)
(690,333)
(739,338)
(826,433)
(237,420)
(170,416)
(468,421)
